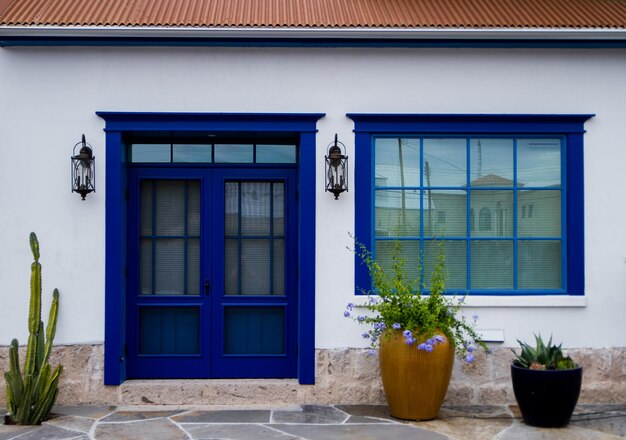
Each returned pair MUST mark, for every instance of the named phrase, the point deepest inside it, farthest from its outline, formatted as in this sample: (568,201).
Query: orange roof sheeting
(331,14)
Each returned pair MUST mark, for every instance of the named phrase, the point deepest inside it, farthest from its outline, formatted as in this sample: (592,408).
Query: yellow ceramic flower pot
(415,381)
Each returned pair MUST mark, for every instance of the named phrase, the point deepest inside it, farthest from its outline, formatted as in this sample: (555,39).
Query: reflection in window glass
(397,162)
(192,153)
(539,162)
(445,162)
(234,153)
(491,162)
(142,153)
(276,153)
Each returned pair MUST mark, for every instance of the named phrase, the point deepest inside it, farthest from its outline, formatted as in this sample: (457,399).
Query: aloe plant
(543,356)
(30,396)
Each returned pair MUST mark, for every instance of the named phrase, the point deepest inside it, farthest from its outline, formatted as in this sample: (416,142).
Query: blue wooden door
(211,279)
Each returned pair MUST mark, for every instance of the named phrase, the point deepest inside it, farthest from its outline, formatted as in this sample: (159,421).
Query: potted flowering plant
(546,384)
(417,331)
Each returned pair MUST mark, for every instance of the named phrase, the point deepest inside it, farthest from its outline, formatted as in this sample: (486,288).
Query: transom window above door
(212,148)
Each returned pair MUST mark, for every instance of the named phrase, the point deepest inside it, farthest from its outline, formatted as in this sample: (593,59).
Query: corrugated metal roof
(318,13)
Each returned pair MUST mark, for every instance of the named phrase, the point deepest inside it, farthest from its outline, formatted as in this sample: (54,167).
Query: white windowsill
(518,301)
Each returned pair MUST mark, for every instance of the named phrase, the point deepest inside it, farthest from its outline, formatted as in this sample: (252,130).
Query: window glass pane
(169,330)
(397,213)
(254,330)
(170,266)
(255,267)
(255,208)
(539,213)
(276,154)
(539,162)
(445,213)
(491,264)
(456,262)
(397,162)
(170,207)
(150,153)
(494,213)
(491,162)
(539,264)
(445,162)
(410,250)
(233,153)
(192,153)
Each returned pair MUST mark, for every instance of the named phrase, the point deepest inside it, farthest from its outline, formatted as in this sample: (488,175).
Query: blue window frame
(470,181)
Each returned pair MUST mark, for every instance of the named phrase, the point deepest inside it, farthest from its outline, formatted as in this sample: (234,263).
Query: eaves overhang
(289,36)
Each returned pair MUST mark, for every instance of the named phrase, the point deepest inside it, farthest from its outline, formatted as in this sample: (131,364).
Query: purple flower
(360,318)
(428,348)
(410,340)
(396,326)
(440,338)
(422,346)
(371,352)
(431,341)
(407,333)
(380,326)
(350,306)
(366,335)
(470,348)
(346,314)
(469,358)
(475,317)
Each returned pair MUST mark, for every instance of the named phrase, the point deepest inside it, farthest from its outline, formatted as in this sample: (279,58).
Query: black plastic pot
(546,398)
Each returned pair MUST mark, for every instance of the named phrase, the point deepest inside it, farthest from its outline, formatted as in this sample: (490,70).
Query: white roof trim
(306,33)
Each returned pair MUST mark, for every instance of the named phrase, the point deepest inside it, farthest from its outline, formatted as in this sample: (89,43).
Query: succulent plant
(30,396)
(543,356)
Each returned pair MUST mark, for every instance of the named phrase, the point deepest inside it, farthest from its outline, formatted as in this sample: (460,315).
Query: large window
(502,193)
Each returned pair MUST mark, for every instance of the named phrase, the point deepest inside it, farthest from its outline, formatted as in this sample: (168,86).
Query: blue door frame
(119,123)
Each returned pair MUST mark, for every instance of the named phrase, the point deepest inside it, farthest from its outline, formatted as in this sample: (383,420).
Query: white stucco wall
(49,96)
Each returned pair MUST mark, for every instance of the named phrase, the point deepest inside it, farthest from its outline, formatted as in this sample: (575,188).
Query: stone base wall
(343,376)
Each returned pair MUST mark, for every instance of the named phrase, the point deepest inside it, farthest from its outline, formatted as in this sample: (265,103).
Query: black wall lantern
(83,169)
(336,168)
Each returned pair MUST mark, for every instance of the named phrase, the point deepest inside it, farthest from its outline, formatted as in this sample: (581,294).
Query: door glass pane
(255,267)
(255,208)
(169,330)
(397,162)
(254,246)
(169,237)
(254,330)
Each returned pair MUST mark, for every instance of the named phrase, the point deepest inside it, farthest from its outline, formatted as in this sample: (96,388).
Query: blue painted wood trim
(306,273)
(115,257)
(311,42)
(569,125)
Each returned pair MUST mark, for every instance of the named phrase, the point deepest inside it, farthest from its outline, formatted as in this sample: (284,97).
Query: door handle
(207,287)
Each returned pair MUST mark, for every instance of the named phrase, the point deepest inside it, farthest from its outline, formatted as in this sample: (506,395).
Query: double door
(212,289)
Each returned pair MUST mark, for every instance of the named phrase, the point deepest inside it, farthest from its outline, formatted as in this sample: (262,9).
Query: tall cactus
(30,397)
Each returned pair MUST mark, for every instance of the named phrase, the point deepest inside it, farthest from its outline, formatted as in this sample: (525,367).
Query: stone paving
(311,422)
